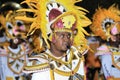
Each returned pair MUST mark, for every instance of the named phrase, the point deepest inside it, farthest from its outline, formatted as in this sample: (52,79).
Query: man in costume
(106,24)
(61,27)
(14,52)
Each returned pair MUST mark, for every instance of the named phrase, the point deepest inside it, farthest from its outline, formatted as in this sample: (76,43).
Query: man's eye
(69,35)
(62,36)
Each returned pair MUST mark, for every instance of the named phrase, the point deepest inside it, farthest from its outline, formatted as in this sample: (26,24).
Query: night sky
(90,5)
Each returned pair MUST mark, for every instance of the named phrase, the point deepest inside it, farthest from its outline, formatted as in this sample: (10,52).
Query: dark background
(90,5)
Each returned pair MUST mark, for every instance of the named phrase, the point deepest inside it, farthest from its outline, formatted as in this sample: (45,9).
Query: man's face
(62,41)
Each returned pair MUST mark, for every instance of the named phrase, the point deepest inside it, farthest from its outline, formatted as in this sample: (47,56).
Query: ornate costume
(57,68)
(106,25)
(14,52)
(53,16)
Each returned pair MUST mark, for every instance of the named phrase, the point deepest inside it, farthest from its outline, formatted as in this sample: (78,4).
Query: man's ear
(75,31)
(53,38)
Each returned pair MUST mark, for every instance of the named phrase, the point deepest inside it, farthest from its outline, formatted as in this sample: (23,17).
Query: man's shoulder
(36,63)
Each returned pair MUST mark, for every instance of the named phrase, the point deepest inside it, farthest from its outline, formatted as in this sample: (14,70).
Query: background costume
(106,25)
(14,51)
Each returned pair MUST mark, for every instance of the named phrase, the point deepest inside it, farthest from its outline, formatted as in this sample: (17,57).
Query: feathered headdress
(2,22)
(47,12)
(104,21)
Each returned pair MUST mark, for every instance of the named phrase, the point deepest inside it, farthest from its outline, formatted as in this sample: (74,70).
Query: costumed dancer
(61,25)
(106,24)
(14,51)
(4,9)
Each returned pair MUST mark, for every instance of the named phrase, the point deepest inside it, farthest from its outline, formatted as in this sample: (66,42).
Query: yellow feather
(38,7)
(100,15)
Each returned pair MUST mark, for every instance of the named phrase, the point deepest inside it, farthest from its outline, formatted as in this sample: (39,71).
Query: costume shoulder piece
(102,50)
(46,62)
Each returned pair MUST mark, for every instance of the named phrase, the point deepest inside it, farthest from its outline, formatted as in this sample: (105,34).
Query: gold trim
(52,74)
(9,65)
(116,53)
(17,58)
(64,73)
(13,78)
(115,64)
(35,67)
(9,78)
(60,61)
